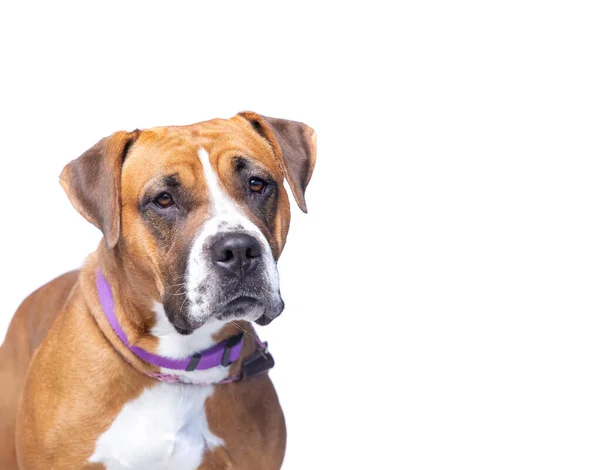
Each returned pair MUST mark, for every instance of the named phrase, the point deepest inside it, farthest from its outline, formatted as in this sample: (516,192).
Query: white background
(442,292)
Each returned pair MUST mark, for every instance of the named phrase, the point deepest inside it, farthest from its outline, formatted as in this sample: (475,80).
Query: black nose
(236,253)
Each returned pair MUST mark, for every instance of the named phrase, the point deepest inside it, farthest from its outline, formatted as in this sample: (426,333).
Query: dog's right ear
(93,183)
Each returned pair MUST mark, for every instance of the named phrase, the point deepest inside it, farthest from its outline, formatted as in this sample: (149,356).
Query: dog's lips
(242,300)
(239,306)
(263,320)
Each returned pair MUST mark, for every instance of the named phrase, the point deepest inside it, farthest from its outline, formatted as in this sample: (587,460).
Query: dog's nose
(236,253)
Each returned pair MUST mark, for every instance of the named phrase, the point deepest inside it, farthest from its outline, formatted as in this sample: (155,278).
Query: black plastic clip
(257,363)
(231,342)
(194,361)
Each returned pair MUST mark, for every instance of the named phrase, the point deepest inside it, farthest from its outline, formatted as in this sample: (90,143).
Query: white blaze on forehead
(218,198)
(226,216)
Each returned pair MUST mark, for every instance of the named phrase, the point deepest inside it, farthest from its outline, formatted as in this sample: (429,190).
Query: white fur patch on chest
(164,428)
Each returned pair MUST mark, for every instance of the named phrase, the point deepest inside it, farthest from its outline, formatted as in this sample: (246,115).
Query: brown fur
(62,371)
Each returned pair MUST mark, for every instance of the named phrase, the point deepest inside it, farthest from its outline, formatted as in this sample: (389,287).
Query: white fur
(226,216)
(177,346)
(164,428)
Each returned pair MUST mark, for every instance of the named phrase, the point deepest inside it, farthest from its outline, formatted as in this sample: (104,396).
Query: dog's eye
(164,200)
(257,185)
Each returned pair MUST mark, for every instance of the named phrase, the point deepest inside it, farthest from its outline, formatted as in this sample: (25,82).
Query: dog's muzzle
(241,278)
(231,276)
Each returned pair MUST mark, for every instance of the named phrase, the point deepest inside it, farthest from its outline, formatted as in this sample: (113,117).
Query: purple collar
(222,354)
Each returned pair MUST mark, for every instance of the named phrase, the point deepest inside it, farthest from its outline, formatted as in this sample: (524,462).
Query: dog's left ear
(93,183)
(295,146)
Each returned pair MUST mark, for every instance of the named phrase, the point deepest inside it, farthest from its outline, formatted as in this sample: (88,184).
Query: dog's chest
(164,428)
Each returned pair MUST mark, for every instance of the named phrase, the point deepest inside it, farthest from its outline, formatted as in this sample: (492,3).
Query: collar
(222,354)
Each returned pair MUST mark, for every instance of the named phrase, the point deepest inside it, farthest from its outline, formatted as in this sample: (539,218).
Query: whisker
(243,330)
(180,287)
(178,292)
(183,305)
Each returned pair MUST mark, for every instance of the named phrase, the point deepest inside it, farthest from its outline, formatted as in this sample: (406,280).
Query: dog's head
(198,215)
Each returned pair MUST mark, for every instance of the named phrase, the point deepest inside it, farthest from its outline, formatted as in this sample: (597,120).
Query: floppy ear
(93,183)
(295,145)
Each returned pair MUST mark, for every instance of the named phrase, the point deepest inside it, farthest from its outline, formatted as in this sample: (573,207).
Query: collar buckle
(258,362)
(231,343)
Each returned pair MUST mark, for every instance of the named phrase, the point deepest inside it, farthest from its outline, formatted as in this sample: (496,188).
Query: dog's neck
(143,320)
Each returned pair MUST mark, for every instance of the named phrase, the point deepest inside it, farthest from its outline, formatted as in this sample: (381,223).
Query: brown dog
(137,361)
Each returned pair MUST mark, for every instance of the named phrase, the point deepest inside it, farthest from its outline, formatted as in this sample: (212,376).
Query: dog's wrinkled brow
(257,168)
(171,181)
(160,183)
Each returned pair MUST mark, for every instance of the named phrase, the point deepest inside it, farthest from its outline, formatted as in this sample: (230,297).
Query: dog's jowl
(146,357)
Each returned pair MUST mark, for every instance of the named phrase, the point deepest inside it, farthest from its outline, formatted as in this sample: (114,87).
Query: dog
(146,357)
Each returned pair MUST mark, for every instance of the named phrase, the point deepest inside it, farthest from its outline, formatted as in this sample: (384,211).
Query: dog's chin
(185,326)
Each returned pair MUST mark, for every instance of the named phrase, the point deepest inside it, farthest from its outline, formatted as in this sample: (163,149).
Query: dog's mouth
(246,304)
(243,306)
(251,308)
